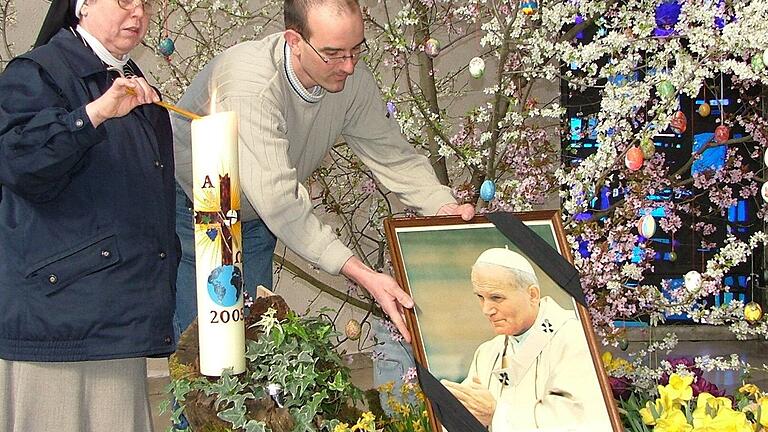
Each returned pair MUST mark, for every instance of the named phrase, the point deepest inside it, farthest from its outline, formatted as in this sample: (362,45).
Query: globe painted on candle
(225,285)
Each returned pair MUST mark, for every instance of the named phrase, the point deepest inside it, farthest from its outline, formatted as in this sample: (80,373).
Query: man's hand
(466,211)
(384,290)
(476,398)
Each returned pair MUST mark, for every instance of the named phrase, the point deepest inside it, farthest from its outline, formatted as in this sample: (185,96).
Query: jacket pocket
(57,272)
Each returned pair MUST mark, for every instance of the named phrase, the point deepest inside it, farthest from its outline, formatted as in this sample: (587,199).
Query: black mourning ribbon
(449,411)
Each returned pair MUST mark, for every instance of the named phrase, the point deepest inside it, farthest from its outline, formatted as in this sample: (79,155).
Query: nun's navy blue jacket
(88,252)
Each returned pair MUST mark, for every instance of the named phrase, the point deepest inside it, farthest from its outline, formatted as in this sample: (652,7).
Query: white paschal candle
(218,243)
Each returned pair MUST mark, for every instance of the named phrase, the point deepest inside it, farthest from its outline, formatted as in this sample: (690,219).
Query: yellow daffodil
(749,389)
(708,405)
(761,414)
(341,427)
(365,423)
(677,391)
(611,363)
(672,421)
(725,420)
(652,412)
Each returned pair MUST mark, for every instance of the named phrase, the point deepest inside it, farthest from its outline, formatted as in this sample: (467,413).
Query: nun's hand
(476,398)
(124,95)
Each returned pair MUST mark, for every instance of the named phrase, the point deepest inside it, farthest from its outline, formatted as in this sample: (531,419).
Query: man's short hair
(295,12)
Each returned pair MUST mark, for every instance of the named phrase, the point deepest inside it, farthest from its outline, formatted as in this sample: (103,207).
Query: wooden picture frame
(432,259)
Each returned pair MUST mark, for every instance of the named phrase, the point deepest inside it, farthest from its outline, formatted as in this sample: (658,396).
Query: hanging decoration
(722,133)
(679,123)
(672,256)
(764,191)
(432,47)
(353,329)
(753,312)
(667,15)
(634,158)
(646,226)
(487,190)
(692,281)
(757,63)
(529,7)
(666,89)
(623,344)
(765,57)
(648,147)
(476,67)
(166,47)
(391,109)
(704,109)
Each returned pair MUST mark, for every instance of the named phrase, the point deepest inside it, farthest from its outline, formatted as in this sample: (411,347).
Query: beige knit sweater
(283,138)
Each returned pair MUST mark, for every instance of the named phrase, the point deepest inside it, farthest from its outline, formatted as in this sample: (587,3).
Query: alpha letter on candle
(218,241)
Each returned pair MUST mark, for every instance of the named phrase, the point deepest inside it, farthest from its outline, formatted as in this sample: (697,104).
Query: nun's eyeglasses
(130,4)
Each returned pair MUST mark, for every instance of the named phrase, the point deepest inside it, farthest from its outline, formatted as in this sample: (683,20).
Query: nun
(537,373)
(88,253)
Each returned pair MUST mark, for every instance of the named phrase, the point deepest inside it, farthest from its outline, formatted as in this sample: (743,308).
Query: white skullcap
(78,6)
(505,258)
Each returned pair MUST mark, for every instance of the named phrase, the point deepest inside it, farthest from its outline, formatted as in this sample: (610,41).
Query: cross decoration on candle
(218,243)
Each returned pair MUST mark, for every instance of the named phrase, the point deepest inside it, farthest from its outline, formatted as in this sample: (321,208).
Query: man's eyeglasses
(354,53)
(130,4)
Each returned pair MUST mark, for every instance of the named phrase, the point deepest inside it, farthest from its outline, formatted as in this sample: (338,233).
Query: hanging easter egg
(487,190)
(391,110)
(353,330)
(765,158)
(648,147)
(476,67)
(679,122)
(634,158)
(753,312)
(166,47)
(764,192)
(666,89)
(672,256)
(765,57)
(432,47)
(757,63)
(623,344)
(529,7)
(646,226)
(704,109)
(692,280)
(722,133)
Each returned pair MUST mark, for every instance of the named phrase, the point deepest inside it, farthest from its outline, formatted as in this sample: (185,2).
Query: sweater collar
(313,95)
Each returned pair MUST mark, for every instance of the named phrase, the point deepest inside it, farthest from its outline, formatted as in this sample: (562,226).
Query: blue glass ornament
(529,7)
(487,190)
(667,16)
(166,47)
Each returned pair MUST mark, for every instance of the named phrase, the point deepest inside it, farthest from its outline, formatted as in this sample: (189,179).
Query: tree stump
(200,410)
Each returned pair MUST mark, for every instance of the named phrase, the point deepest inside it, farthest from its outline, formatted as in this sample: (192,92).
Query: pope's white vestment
(548,380)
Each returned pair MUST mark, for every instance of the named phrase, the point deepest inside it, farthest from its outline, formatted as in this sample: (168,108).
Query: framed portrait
(548,377)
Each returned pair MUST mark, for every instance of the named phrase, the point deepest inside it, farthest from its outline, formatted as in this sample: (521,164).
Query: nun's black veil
(60,15)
